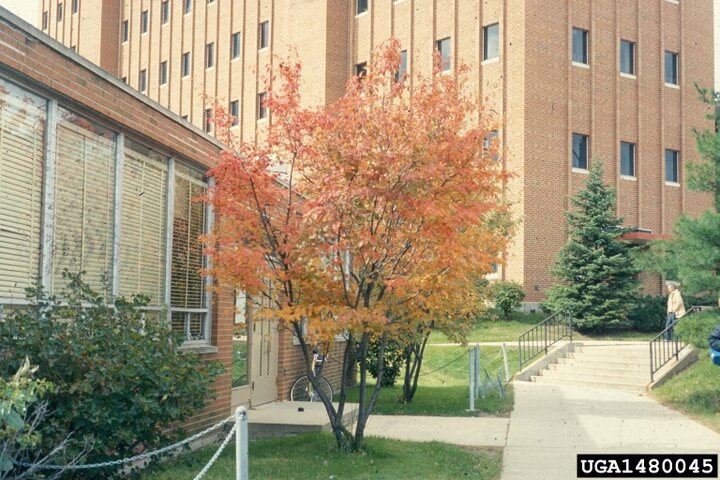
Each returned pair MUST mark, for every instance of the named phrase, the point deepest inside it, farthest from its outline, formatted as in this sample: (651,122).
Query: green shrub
(508,297)
(695,329)
(648,313)
(119,382)
(394,357)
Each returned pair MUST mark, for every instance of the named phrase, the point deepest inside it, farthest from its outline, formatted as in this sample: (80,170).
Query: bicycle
(302,388)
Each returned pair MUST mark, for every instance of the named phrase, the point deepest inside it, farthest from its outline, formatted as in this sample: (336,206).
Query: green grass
(695,392)
(239,364)
(315,456)
(443,386)
(492,328)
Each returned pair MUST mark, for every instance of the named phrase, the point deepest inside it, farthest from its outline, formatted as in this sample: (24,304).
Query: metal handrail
(666,345)
(543,335)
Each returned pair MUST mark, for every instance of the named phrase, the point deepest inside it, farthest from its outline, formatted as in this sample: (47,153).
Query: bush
(119,382)
(394,357)
(508,297)
(649,313)
(695,329)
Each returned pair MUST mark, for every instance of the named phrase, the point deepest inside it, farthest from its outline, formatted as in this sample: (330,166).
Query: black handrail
(543,335)
(666,346)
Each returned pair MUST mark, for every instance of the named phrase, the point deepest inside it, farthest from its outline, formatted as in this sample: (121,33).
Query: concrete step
(593,370)
(582,383)
(595,378)
(612,356)
(582,362)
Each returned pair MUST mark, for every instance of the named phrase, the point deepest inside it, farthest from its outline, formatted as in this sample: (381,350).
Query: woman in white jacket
(675,307)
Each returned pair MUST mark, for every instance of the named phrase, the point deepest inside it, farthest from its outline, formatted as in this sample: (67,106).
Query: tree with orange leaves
(369,217)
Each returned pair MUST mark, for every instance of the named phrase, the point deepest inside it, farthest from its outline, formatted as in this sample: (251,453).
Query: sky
(29,11)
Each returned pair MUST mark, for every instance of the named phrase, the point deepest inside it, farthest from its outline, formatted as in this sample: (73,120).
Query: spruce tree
(597,274)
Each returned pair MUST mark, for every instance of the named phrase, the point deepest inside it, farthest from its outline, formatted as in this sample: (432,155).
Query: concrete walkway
(551,424)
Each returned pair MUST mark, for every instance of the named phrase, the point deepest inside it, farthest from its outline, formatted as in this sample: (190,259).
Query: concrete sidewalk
(551,424)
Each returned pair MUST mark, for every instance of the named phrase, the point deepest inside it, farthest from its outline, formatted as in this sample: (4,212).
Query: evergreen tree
(595,268)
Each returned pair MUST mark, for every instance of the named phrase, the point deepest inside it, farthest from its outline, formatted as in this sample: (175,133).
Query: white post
(241,444)
(505,362)
(471,375)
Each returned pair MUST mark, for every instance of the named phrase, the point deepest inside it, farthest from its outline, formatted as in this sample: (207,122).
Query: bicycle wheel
(302,391)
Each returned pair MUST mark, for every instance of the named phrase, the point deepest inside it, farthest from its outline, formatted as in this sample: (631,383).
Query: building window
(491,41)
(75,6)
(45,20)
(402,68)
(627,159)
(185,64)
(210,1)
(207,119)
(125,31)
(579,151)
(73,48)
(361,69)
(144,21)
(491,145)
(185,117)
(443,47)
(264,34)
(261,107)
(210,55)
(163,72)
(165,12)
(627,57)
(187,8)
(124,79)
(59,12)
(142,80)
(361,6)
(235,45)
(672,166)
(580,46)
(234,112)
(671,68)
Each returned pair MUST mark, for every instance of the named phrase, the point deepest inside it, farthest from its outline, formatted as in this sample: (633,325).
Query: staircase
(623,366)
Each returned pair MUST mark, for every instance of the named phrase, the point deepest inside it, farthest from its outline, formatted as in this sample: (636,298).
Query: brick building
(572,80)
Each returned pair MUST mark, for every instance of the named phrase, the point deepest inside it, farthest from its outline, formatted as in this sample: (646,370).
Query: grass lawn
(239,363)
(492,328)
(695,392)
(443,385)
(314,456)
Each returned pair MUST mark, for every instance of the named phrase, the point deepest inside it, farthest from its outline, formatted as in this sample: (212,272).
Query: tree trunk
(414,353)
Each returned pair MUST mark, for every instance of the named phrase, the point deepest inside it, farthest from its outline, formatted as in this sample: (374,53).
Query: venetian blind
(22,129)
(142,241)
(84,197)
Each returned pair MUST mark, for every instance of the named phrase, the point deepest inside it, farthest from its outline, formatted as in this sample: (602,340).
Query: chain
(136,458)
(444,366)
(210,463)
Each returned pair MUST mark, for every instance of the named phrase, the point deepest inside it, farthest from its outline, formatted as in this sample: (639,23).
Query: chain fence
(481,381)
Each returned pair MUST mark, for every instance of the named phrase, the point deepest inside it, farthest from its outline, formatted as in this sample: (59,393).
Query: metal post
(471,375)
(241,444)
(505,362)
(477,370)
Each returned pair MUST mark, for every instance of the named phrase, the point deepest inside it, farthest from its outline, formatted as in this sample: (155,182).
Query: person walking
(675,308)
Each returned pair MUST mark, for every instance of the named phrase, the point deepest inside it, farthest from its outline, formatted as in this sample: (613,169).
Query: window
(627,159)
(210,1)
(627,57)
(235,112)
(235,45)
(361,6)
(491,145)
(185,64)
(580,46)
(124,79)
(188,305)
(443,47)
(83,205)
(45,20)
(210,55)
(672,166)
(125,31)
(165,12)
(361,69)
(264,35)
(207,119)
(185,117)
(187,8)
(144,22)
(142,80)
(491,41)
(75,6)
(671,68)
(163,72)
(579,151)
(261,108)
(59,12)
(402,68)
(22,155)
(73,48)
